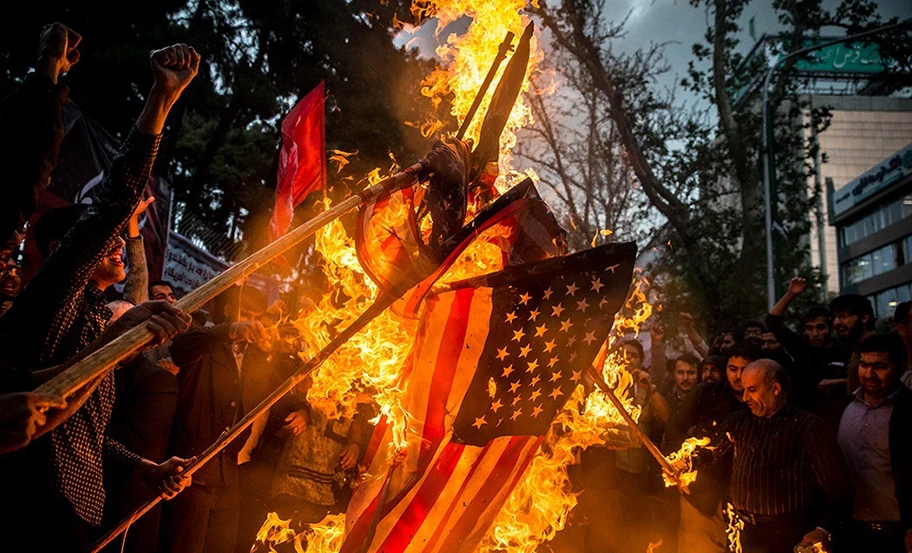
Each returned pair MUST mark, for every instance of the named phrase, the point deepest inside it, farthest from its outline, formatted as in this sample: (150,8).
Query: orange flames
(373,360)
(465,60)
(322,537)
(682,460)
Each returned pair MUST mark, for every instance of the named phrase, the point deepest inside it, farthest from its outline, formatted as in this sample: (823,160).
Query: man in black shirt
(818,358)
(788,479)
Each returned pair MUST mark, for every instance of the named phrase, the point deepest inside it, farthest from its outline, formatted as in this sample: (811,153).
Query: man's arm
(136,287)
(32,118)
(66,272)
(657,353)
(701,350)
(774,319)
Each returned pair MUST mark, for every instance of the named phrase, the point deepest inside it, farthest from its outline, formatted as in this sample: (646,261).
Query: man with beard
(873,435)
(853,321)
(702,527)
(788,485)
(686,377)
(820,361)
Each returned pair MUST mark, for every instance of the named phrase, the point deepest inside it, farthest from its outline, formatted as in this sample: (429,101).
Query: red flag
(302,162)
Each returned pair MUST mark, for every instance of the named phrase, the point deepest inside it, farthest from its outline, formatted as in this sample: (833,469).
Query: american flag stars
(533,367)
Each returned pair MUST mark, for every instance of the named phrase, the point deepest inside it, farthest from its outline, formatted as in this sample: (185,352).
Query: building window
(885,302)
(880,218)
(878,262)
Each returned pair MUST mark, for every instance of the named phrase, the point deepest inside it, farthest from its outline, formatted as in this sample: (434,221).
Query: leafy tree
(701,172)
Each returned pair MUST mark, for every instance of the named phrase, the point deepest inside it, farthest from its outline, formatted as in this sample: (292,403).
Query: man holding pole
(58,315)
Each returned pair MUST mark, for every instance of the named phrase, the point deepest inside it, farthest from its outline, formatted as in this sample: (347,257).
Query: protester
(213,362)
(725,342)
(853,321)
(788,482)
(144,405)
(712,369)
(314,463)
(874,437)
(62,310)
(686,377)
(32,120)
(162,290)
(752,332)
(820,362)
(903,322)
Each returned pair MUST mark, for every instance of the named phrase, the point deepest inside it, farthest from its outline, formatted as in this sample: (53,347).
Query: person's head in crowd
(633,354)
(902,318)
(686,372)
(162,290)
(882,361)
(766,387)
(291,340)
(753,332)
(53,226)
(852,316)
(727,340)
(769,342)
(739,357)
(10,280)
(818,327)
(252,305)
(713,368)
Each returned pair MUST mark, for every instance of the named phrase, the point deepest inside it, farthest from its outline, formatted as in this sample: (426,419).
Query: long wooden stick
(107,357)
(379,305)
(637,431)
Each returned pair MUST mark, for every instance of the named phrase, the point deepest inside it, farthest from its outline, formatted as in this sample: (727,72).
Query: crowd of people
(808,429)
(808,439)
(72,469)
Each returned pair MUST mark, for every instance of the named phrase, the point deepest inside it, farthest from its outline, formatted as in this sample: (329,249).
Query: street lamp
(769,158)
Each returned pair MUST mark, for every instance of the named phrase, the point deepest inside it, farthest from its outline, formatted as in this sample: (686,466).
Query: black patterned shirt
(783,464)
(59,313)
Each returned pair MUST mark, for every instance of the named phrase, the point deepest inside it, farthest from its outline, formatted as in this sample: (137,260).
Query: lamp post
(769,157)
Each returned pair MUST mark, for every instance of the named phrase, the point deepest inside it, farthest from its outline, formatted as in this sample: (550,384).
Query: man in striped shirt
(788,483)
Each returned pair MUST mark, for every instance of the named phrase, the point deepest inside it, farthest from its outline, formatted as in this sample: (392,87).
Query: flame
(653,546)
(465,61)
(683,460)
(735,525)
(373,358)
(321,537)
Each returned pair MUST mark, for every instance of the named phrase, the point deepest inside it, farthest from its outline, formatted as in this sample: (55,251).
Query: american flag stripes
(494,361)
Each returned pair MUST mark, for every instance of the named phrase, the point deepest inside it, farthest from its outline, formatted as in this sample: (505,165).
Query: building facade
(872,225)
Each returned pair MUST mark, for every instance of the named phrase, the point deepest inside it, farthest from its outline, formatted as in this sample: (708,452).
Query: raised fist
(57,51)
(174,67)
(797,286)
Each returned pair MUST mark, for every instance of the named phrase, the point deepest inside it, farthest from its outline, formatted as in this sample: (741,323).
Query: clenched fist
(174,67)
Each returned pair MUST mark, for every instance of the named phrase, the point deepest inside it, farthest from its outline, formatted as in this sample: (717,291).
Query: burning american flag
(495,360)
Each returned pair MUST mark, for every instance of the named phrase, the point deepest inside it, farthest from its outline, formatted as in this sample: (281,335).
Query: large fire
(373,360)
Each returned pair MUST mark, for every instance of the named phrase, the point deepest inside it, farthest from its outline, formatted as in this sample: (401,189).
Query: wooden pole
(107,357)
(637,431)
(379,305)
